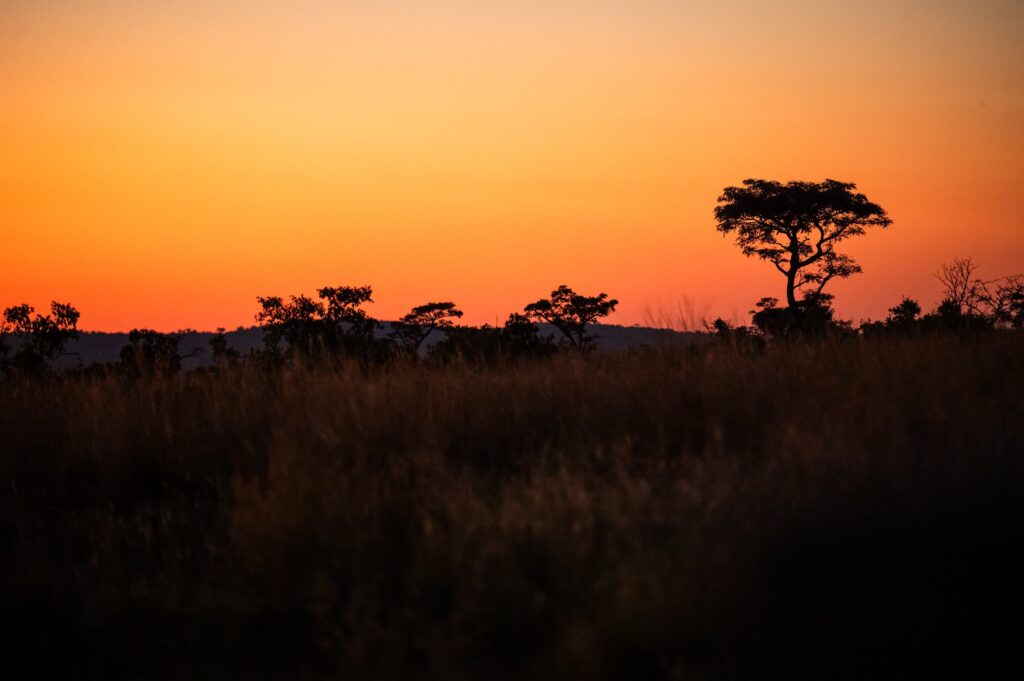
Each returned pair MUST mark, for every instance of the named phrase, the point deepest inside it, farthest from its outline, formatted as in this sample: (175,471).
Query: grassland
(835,509)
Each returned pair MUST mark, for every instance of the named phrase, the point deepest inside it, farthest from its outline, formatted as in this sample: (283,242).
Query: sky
(162,164)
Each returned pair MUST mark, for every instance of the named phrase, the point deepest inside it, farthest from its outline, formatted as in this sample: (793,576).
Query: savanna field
(283,394)
(847,507)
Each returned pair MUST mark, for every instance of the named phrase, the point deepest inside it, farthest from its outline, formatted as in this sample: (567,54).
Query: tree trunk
(794,265)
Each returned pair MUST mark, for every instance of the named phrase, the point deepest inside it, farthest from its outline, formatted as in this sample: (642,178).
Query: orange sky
(162,164)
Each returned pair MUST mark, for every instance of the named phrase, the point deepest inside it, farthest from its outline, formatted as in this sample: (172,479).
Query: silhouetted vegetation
(997,302)
(519,339)
(796,226)
(150,353)
(335,324)
(570,313)
(221,353)
(412,329)
(799,498)
(905,314)
(812,317)
(969,305)
(38,339)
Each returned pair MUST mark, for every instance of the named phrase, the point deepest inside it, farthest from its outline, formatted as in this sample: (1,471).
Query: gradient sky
(163,163)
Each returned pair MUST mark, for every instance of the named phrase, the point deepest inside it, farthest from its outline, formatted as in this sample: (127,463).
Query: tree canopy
(334,322)
(570,312)
(42,337)
(414,327)
(796,226)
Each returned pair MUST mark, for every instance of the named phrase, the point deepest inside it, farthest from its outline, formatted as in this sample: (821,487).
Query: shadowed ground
(846,508)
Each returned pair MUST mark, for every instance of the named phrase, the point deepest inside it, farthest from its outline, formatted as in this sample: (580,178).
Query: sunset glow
(162,164)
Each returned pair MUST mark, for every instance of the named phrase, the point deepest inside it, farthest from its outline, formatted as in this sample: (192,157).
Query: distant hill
(99,347)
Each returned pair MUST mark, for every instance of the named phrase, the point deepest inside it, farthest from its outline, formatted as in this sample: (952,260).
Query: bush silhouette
(740,337)
(220,351)
(812,317)
(905,314)
(903,318)
(518,339)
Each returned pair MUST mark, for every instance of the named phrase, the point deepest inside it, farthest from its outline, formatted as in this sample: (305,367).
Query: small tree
(570,312)
(796,226)
(42,338)
(905,314)
(413,328)
(961,287)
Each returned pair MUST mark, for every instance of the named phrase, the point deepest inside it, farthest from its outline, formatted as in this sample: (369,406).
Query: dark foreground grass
(831,510)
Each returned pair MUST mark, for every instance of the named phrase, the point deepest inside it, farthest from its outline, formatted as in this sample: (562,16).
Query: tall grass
(835,509)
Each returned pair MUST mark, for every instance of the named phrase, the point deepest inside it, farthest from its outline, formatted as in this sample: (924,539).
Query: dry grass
(834,509)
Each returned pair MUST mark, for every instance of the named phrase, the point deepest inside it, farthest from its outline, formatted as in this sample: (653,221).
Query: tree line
(333,325)
(795,226)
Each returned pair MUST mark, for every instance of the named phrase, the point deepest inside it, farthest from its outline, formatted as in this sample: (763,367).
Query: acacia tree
(570,312)
(796,226)
(413,328)
(42,337)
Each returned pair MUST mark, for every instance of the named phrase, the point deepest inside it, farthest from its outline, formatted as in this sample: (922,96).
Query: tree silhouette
(796,226)
(297,322)
(903,318)
(905,314)
(999,302)
(42,337)
(335,322)
(413,328)
(344,319)
(570,312)
(960,285)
